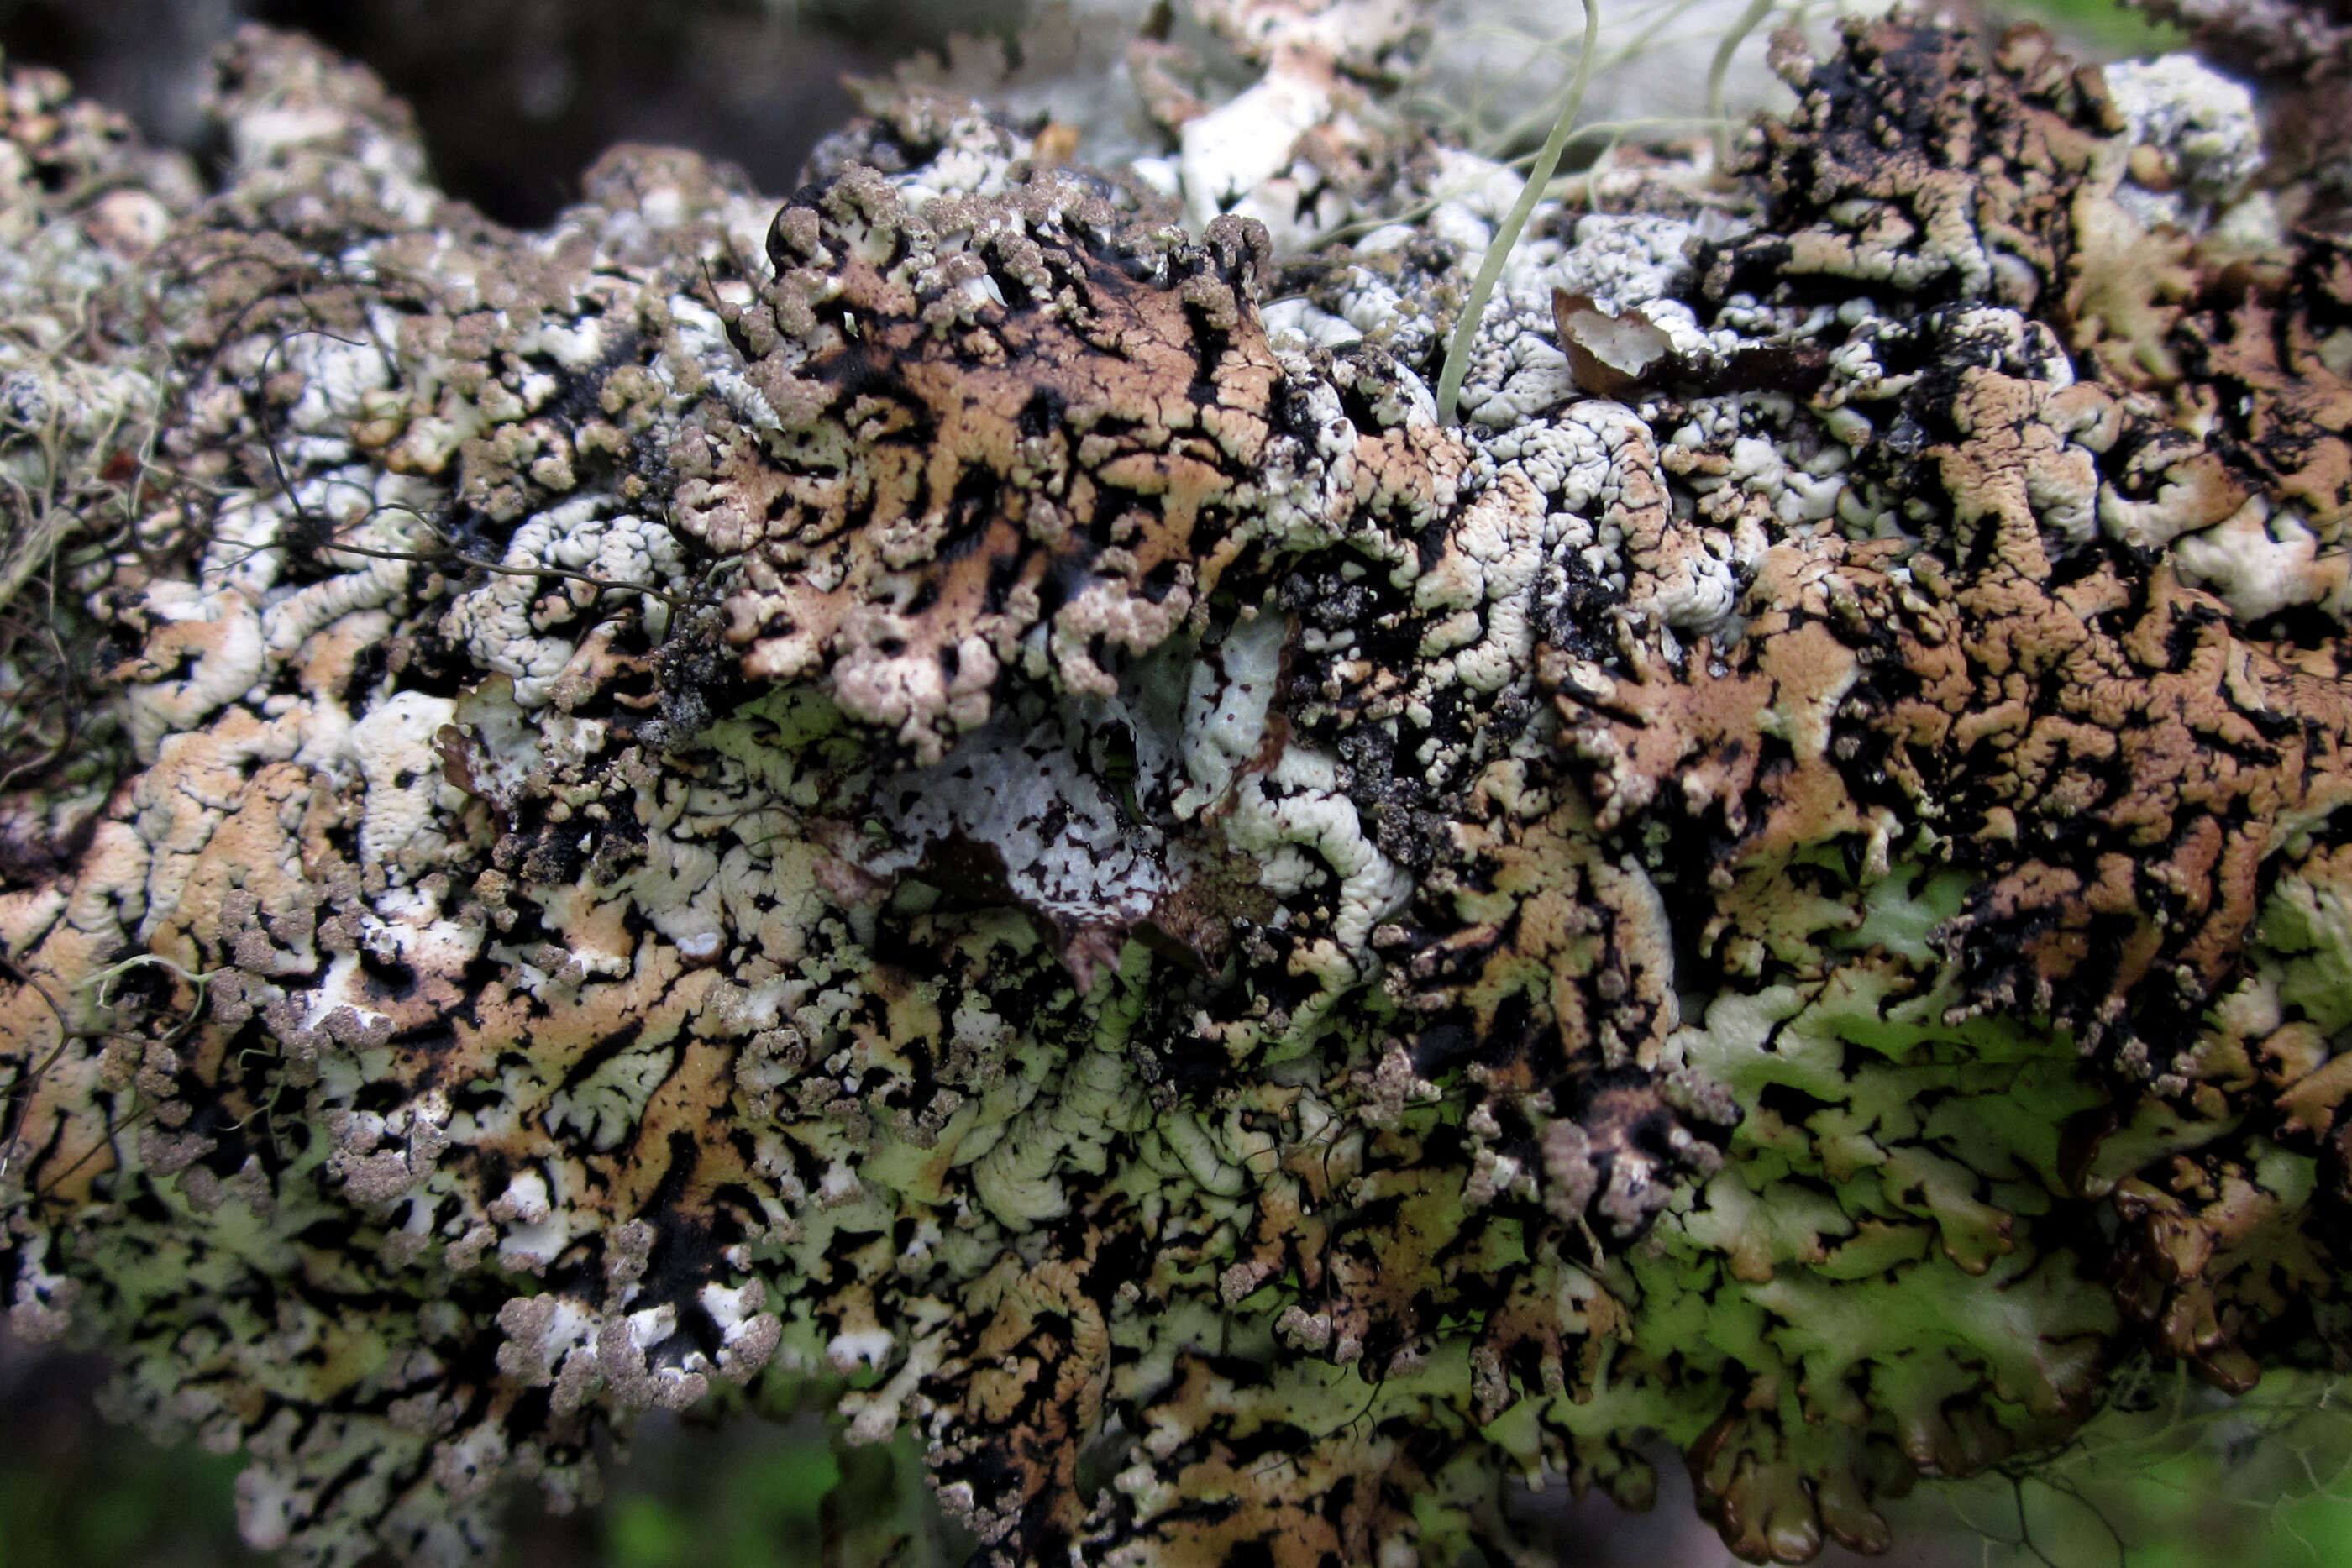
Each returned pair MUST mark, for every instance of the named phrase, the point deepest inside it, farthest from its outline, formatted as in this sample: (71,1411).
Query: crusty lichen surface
(948,795)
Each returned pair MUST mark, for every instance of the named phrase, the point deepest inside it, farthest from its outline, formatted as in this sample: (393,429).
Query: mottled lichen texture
(948,796)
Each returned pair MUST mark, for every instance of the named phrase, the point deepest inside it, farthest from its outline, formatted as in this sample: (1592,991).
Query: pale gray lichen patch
(2196,143)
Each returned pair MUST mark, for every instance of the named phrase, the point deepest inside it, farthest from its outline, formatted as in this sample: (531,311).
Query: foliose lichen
(950,793)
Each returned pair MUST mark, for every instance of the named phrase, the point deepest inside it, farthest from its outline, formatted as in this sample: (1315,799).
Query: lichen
(948,795)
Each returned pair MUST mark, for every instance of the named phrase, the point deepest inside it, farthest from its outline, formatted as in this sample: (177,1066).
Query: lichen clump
(951,797)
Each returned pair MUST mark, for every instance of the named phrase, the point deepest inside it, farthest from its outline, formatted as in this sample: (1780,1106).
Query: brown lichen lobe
(2064,671)
(2090,730)
(1004,432)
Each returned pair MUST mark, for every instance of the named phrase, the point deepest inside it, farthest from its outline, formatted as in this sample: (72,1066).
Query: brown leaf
(1610,356)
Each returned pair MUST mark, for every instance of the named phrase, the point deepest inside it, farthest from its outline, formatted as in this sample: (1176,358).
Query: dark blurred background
(515,99)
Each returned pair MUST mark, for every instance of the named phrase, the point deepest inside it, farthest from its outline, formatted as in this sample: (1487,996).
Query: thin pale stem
(1490,269)
(1720,66)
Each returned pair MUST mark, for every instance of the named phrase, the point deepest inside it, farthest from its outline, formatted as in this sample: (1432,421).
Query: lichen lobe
(1005,431)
